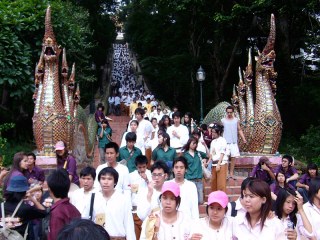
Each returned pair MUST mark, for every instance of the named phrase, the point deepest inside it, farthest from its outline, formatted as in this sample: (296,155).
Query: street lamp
(201,76)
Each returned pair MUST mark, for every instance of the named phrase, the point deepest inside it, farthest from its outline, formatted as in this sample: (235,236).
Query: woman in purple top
(303,184)
(99,115)
(263,171)
(66,161)
(19,166)
(280,183)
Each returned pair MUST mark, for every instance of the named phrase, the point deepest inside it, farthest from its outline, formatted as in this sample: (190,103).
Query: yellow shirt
(133,107)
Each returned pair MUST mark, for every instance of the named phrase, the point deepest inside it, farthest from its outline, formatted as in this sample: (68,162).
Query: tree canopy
(21,34)
(173,38)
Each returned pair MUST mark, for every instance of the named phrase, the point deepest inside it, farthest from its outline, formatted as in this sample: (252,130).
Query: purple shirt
(36,173)
(275,189)
(61,213)
(258,172)
(71,167)
(98,114)
(305,179)
(291,171)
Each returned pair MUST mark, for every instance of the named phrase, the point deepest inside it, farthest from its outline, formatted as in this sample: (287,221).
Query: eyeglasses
(154,175)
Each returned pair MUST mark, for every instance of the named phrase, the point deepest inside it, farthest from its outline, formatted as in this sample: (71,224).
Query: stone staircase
(119,126)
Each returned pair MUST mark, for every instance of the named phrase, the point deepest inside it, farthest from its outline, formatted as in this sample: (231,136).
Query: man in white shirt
(179,134)
(80,197)
(111,104)
(232,128)
(188,190)
(149,199)
(139,180)
(144,130)
(111,208)
(111,154)
(117,102)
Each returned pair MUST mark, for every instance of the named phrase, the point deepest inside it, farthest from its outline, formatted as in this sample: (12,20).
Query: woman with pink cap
(216,225)
(66,161)
(168,223)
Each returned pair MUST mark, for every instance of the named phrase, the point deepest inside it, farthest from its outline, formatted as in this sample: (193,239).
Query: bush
(306,148)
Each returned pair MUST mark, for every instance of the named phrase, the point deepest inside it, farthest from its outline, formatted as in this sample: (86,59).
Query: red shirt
(61,213)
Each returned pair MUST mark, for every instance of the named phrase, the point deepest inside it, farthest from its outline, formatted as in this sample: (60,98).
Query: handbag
(205,172)
(7,233)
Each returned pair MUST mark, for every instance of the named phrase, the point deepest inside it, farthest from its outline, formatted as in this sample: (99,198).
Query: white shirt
(144,130)
(123,180)
(272,230)
(180,230)
(111,100)
(218,146)
(313,214)
(202,226)
(189,199)
(144,207)
(117,214)
(137,183)
(301,231)
(80,200)
(117,100)
(182,131)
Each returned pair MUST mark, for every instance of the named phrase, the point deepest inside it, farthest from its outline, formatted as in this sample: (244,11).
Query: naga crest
(55,97)
(260,120)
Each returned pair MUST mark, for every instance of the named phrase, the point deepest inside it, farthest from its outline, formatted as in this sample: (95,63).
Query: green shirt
(194,165)
(159,154)
(129,156)
(104,140)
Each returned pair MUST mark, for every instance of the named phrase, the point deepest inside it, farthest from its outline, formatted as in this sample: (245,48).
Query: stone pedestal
(46,162)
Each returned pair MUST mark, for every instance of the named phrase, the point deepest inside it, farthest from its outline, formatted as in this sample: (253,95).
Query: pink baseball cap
(218,197)
(171,187)
(59,146)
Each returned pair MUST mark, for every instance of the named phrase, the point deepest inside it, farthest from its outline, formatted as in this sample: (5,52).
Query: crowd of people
(151,185)
(159,202)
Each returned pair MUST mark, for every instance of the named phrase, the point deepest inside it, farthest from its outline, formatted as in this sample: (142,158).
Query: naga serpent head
(248,73)
(267,57)
(241,88)
(71,84)
(235,99)
(64,68)
(50,48)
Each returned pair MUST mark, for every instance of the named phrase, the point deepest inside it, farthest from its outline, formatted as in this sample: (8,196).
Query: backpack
(233,209)
(7,233)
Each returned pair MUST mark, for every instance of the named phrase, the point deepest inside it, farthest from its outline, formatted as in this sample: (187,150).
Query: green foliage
(306,148)
(4,143)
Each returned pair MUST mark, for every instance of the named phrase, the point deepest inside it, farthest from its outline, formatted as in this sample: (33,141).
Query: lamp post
(201,76)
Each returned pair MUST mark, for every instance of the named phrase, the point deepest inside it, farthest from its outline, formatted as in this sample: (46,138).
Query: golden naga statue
(56,112)
(260,121)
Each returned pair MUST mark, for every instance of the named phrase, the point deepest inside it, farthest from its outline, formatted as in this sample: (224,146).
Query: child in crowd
(139,180)
(128,153)
(257,224)
(62,211)
(216,225)
(80,196)
(111,208)
(168,223)
(289,208)
(104,135)
(303,184)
